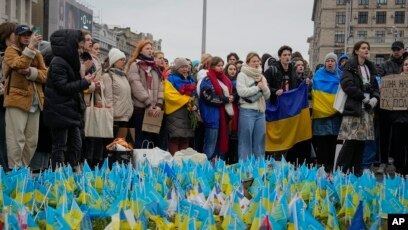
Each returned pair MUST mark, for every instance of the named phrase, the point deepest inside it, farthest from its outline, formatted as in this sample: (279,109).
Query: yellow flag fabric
(173,100)
(288,121)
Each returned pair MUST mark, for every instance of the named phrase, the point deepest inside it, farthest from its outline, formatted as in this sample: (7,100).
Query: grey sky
(232,25)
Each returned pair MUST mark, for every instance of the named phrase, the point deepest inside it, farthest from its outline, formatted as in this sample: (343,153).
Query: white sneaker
(381,168)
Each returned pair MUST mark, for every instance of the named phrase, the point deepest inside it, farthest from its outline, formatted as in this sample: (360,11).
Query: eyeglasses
(396,49)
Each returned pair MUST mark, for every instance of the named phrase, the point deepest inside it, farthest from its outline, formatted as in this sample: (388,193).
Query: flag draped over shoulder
(324,89)
(288,120)
(174,100)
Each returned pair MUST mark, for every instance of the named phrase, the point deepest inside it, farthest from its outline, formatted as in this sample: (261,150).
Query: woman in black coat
(64,104)
(359,83)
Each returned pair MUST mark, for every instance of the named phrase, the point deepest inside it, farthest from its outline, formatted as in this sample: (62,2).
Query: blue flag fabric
(357,223)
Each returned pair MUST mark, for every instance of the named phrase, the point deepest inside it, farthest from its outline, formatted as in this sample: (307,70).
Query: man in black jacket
(391,66)
(64,104)
(281,77)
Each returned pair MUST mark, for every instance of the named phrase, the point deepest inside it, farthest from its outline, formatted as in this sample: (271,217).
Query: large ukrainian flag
(288,120)
(324,89)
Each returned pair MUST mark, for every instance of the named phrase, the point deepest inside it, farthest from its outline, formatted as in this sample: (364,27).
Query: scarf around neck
(147,64)
(215,77)
(257,75)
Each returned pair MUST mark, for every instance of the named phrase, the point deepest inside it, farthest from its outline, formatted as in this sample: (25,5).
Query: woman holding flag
(179,95)
(359,84)
(326,120)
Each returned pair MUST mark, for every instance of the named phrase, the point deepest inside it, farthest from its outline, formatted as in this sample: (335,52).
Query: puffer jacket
(20,90)
(352,85)
(118,94)
(140,93)
(64,104)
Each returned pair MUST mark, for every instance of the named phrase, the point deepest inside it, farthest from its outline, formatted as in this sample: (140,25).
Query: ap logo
(397,221)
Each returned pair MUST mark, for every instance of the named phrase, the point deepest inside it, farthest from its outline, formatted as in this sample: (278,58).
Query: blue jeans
(370,152)
(251,133)
(211,143)
(3,147)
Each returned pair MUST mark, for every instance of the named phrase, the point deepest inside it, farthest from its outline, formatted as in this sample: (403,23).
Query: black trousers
(300,152)
(351,156)
(384,136)
(66,146)
(326,150)
(399,147)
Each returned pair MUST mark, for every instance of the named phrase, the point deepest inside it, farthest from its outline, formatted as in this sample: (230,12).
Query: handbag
(153,155)
(152,124)
(340,100)
(99,120)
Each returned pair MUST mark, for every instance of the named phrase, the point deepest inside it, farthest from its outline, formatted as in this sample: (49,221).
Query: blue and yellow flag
(174,100)
(288,120)
(324,89)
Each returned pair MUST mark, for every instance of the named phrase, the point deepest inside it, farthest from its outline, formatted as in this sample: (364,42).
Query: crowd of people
(216,107)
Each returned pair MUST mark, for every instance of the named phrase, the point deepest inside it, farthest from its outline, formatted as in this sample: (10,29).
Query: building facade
(18,11)
(339,24)
(106,38)
(127,40)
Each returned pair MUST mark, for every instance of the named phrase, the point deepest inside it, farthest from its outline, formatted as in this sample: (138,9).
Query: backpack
(271,64)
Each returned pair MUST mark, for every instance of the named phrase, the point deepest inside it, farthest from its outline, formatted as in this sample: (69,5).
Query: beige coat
(140,94)
(19,89)
(118,94)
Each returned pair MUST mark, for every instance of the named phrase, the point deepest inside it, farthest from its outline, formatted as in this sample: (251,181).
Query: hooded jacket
(344,56)
(64,105)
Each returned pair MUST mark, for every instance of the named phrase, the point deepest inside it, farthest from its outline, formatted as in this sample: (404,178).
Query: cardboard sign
(394,92)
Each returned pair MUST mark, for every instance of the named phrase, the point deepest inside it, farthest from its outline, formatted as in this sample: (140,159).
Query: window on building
(380,36)
(362,17)
(341,2)
(400,2)
(362,2)
(340,17)
(399,17)
(362,34)
(381,17)
(380,58)
(382,2)
(339,37)
(398,34)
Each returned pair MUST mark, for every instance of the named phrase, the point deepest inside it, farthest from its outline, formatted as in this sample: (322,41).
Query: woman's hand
(231,99)
(89,78)
(23,71)
(34,41)
(279,92)
(154,111)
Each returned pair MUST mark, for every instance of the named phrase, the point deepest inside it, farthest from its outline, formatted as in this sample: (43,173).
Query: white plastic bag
(154,156)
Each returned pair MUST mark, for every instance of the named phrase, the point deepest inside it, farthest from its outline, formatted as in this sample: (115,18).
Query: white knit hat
(115,55)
